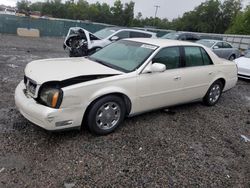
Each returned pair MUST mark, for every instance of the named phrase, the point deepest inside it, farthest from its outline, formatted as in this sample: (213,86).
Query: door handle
(177,78)
(210,73)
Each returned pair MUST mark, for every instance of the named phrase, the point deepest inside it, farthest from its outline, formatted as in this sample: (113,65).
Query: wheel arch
(222,80)
(232,54)
(123,96)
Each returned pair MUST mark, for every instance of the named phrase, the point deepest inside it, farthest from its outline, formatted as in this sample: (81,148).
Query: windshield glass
(124,55)
(170,36)
(207,43)
(247,55)
(104,33)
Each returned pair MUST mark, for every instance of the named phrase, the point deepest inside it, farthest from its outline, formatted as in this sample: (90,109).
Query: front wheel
(213,94)
(105,115)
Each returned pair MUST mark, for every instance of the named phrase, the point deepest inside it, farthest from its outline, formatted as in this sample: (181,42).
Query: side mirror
(155,67)
(216,47)
(114,38)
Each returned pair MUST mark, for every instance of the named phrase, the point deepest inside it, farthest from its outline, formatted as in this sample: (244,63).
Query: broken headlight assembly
(50,96)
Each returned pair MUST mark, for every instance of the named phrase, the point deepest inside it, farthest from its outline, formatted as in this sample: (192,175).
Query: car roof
(163,42)
(183,32)
(129,29)
(213,40)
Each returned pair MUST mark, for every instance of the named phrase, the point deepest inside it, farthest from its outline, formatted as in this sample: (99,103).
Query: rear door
(227,50)
(197,73)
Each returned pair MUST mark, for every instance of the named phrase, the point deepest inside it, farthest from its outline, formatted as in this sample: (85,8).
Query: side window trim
(202,56)
(182,57)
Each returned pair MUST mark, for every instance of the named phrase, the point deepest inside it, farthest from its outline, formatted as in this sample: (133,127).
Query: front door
(159,89)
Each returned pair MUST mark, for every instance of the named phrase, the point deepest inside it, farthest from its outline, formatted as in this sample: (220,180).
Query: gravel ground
(188,146)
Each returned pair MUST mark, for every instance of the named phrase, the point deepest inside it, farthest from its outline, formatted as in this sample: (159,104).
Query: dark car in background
(181,36)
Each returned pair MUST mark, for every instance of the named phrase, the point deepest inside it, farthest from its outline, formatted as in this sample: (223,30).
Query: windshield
(207,43)
(124,55)
(171,36)
(104,33)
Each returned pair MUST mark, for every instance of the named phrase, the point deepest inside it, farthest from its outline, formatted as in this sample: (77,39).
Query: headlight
(51,97)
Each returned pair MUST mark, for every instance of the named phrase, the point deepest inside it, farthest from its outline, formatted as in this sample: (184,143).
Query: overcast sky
(168,8)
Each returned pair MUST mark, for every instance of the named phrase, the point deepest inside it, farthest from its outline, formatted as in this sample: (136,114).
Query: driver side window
(168,56)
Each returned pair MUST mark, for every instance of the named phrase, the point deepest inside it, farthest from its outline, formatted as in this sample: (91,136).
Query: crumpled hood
(59,69)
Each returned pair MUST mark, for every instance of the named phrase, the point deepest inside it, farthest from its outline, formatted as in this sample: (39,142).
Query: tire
(232,57)
(213,94)
(105,115)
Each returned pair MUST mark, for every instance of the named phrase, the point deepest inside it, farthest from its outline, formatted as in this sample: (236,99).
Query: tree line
(211,16)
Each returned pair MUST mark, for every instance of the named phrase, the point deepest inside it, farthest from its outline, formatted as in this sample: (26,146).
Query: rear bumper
(46,117)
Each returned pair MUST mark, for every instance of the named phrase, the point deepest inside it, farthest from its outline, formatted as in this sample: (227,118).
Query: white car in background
(81,42)
(125,78)
(243,64)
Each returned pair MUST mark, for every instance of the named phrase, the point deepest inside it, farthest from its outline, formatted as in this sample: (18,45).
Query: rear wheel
(213,94)
(232,57)
(106,114)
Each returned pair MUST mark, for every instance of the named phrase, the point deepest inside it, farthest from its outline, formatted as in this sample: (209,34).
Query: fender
(109,90)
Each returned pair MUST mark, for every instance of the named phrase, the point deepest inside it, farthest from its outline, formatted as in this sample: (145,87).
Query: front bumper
(46,117)
(243,73)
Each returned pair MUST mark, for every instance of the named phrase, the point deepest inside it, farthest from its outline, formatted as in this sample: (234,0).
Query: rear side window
(168,56)
(196,56)
(182,37)
(193,56)
(122,34)
(134,34)
(226,45)
(219,44)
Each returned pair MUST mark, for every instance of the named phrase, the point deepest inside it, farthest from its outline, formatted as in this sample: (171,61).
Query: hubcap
(231,58)
(214,93)
(108,115)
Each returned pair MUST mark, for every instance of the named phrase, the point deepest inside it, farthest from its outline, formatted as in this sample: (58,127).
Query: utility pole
(156,10)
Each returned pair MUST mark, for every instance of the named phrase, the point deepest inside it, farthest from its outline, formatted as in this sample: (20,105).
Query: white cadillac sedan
(126,78)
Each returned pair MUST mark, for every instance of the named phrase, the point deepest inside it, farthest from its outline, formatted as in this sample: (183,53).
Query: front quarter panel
(83,94)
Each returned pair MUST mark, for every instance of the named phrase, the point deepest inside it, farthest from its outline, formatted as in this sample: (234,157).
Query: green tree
(117,12)
(23,6)
(229,9)
(241,24)
(128,13)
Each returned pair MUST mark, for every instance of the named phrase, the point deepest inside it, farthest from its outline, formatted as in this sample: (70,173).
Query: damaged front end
(78,42)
